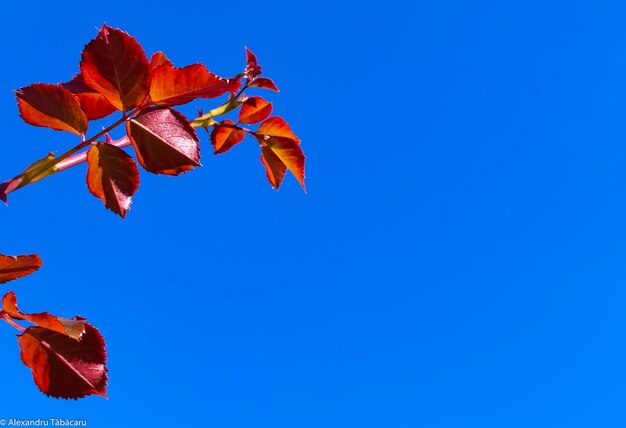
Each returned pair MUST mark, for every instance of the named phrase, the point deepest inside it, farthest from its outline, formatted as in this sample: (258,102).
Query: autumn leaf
(170,86)
(226,135)
(164,141)
(254,109)
(112,176)
(157,59)
(63,367)
(253,69)
(13,267)
(115,65)
(280,149)
(93,103)
(73,328)
(265,83)
(51,106)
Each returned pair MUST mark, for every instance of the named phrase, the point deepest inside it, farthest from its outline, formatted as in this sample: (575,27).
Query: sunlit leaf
(254,109)
(164,141)
(93,103)
(265,83)
(253,69)
(170,86)
(51,106)
(63,367)
(276,126)
(157,59)
(279,145)
(112,176)
(73,328)
(226,135)
(274,167)
(115,65)
(13,267)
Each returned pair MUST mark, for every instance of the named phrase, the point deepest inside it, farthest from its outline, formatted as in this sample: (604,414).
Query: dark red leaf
(115,65)
(73,328)
(13,267)
(254,109)
(112,176)
(265,83)
(51,106)
(63,367)
(226,135)
(279,145)
(170,86)
(164,141)
(253,69)
(94,104)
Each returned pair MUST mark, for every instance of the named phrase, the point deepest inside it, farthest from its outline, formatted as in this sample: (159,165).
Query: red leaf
(279,145)
(225,137)
(112,176)
(253,69)
(164,141)
(254,109)
(13,267)
(265,83)
(51,106)
(94,104)
(115,65)
(157,59)
(73,328)
(170,86)
(63,367)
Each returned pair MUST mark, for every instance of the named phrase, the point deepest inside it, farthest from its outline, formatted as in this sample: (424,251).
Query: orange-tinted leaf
(94,104)
(51,106)
(73,328)
(115,65)
(274,167)
(170,86)
(265,83)
(254,109)
(112,176)
(164,141)
(13,267)
(253,69)
(157,59)
(283,151)
(63,367)
(276,126)
(224,137)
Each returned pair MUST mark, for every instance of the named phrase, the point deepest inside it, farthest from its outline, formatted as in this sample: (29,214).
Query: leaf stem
(9,320)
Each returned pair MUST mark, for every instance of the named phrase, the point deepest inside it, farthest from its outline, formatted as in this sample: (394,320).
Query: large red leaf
(13,267)
(115,65)
(94,104)
(254,109)
(280,148)
(73,328)
(170,86)
(63,367)
(265,83)
(226,135)
(164,141)
(112,176)
(51,106)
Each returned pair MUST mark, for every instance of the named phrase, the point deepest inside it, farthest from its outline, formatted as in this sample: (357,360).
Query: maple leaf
(73,328)
(115,65)
(112,176)
(280,150)
(170,86)
(164,141)
(94,104)
(13,267)
(63,367)
(254,109)
(51,106)
(226,135)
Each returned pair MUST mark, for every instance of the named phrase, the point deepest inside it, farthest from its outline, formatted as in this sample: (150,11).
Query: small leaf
(115,65)
(274,167)
(112,176)
(164,141)
(157,59)
(63,367)
(170,86)
(265,83)
(93,103)
(51,106)
(13,267)
(224,137)
(73,328)
(254,109)
(253,69)
(275,136)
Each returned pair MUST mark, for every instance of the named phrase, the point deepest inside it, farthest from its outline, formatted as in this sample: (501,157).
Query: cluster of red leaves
(66,355)
(115,75)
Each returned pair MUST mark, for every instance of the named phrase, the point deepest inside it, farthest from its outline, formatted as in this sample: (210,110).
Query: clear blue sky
(459,260)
